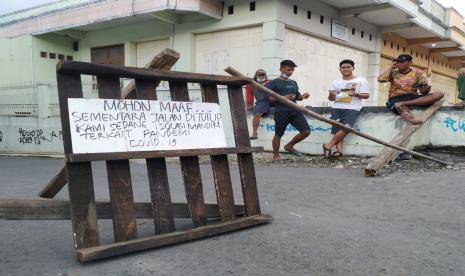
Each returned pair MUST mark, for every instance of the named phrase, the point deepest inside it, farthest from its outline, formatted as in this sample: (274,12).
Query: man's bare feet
(400,108)
(406,115)
(276,158)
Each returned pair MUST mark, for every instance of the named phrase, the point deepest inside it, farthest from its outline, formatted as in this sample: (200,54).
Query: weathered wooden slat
(220,167)
(55,185)
(157,174)
(116,249)
(245,160)
(42,209)
(388,154)
(81,157)
(190,166)
(164,61)
(79,175)
(72,67)
(119,177)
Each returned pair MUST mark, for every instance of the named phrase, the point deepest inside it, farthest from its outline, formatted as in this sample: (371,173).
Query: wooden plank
(119,177)
(42,209)
(157,174)
(77,67)
(116,249)
(164,61)
(190,166)
(82,204)
(79,175)
(220,167)
(388,154)
(80,157)
(55,185)
(245,160)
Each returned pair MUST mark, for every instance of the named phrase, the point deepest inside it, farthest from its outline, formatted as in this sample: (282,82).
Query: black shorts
(402,98)
(283,118)
(344,116)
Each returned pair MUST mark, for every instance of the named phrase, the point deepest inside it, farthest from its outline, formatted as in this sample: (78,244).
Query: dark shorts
(402,98)
(344,116)
(283,118)
(262,107)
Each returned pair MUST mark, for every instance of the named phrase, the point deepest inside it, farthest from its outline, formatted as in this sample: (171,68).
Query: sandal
(253,137)
(326,151)
(337,154)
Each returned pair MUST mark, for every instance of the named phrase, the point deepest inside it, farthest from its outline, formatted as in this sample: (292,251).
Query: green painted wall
(44,69)
(16,60)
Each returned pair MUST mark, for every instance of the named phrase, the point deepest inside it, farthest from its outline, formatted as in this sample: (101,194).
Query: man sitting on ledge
(408,87)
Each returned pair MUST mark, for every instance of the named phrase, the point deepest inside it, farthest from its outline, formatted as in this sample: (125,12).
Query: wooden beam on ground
(116,249)
(423,40)
(317,116)
(43,209)
(388,154)
(165,60)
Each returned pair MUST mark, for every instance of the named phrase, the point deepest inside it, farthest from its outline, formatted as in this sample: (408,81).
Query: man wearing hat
(408,87)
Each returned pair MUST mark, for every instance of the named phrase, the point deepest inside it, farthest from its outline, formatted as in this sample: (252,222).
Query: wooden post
(317,116)
(190,166)
(165,61)
(157,173)
(220,167)
(119,177)
(245,160)
(79,174)
(388,154)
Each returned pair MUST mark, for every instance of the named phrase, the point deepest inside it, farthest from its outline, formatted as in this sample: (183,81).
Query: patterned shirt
(402,84)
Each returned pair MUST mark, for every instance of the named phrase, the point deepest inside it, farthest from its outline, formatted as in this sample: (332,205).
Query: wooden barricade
(83,207)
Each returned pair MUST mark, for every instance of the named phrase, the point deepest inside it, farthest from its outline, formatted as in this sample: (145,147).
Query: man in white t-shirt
(347,94)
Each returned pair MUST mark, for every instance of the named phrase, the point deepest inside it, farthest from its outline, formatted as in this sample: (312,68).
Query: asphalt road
(327,221)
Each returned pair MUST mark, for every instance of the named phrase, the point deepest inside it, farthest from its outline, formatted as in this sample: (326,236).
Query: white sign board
(107,125)
(339,30)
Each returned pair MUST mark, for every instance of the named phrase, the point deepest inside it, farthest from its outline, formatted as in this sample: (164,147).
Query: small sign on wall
(339,30)
(111,125)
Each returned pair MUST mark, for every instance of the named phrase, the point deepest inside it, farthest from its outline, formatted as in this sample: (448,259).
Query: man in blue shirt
(284,115)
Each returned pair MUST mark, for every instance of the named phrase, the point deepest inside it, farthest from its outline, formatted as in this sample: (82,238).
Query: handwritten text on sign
(106,125)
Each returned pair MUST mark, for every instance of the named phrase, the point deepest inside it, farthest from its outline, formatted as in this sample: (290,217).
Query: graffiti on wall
(455,125)
(271,128)
(38,136)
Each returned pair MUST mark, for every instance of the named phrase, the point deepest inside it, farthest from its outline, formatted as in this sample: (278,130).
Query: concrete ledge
(31,135)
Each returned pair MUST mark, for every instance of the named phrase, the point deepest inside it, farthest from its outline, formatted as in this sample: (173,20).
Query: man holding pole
(285,115)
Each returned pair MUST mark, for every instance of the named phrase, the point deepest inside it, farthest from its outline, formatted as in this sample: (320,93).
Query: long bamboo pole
(317,116)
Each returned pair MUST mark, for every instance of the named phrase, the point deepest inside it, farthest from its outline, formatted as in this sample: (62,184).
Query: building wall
(44,67)
(16,60)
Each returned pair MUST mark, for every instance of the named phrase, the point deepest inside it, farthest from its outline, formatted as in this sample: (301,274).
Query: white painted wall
(239,48)
(318,64)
